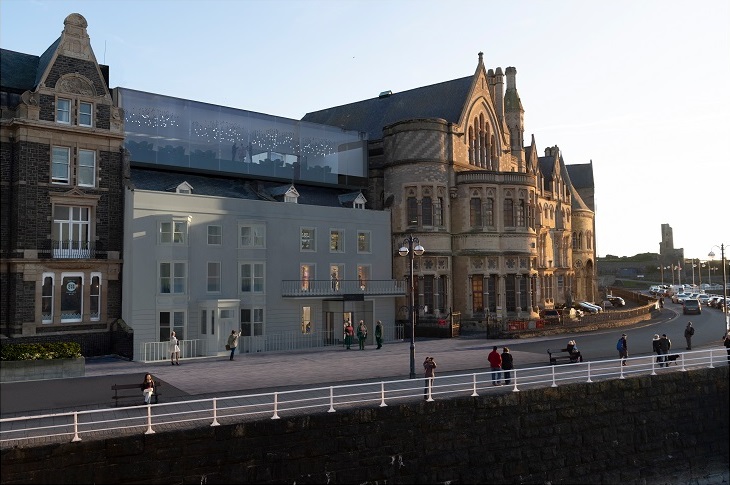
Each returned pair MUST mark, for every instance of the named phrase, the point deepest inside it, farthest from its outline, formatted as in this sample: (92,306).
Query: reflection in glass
(162,130)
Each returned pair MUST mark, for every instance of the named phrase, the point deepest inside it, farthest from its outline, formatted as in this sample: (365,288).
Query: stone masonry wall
(669,428)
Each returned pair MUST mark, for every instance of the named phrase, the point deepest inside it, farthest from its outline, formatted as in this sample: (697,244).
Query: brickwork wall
(666,428)
(65,65)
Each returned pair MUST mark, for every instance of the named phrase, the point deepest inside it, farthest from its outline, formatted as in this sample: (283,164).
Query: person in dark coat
(664,346)
(623,349)
(507,365)
(655,347)
(688,332)
(379,334)
(429,372)
(495,365)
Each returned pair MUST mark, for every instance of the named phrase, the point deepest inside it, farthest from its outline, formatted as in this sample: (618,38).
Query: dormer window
(291,196)
(184,188)
(359,202)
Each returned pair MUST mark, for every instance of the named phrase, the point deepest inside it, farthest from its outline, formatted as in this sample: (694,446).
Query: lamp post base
(413,359)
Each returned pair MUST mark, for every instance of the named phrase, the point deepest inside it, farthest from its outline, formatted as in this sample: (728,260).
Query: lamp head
(711,254)
(403,251)
(418,250)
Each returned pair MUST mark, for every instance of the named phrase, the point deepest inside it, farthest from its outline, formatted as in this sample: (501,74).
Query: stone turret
(514,117)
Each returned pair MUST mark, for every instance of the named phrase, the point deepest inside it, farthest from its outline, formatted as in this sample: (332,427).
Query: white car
(704,299)
(590,307)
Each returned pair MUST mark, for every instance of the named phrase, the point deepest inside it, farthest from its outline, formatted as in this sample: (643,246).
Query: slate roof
(443,100)
(582,175)
(236,188)
(18,71)
(546,167)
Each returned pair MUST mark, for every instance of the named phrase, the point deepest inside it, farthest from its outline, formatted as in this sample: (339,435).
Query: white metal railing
(148,418)
(159,351)
(338,288)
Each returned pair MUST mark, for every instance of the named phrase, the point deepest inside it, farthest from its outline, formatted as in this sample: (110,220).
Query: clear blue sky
(640,87)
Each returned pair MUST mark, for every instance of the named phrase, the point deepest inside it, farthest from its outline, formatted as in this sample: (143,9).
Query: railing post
(553,371)
(430,385)
(332,401)
(683,369)
(474,383)
(149,420)
(276,406)
(382,395)
(653,366)
(589,372)
(76,428)
(514,389)
(711,366)
(215,413)
(621,365)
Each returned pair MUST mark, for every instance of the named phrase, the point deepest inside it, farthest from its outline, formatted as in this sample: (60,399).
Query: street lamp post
(410,248)
(724,281)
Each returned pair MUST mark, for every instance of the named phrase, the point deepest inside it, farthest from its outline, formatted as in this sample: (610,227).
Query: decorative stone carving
(477,263)
(31,99)
(74,84)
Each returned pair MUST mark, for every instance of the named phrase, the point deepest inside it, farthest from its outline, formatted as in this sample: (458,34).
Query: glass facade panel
(161,130)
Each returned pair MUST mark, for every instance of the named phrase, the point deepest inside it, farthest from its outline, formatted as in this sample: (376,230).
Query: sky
(637,87)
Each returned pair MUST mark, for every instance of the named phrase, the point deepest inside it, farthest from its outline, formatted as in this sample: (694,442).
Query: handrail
(212,411)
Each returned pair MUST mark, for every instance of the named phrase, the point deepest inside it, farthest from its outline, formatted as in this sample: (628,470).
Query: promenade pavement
(251,373)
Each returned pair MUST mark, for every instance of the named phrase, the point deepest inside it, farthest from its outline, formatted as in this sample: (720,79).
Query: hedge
(41,351)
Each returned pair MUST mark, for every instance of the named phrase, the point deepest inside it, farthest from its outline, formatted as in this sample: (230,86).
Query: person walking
(726,343)
(362,334)
(233,342)
(148,388)
(379,334)
(664,346)
(495,365)
(623,348)
(174,349)
(507,365)
(688,332)
(429,372)
(655,347)
(349,334)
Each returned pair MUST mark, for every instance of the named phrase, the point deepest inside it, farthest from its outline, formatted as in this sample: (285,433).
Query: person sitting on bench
(573,351)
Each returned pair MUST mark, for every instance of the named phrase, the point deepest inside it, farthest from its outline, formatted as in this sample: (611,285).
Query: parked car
(616,300)
(589,307)
(691,305)
(552,316)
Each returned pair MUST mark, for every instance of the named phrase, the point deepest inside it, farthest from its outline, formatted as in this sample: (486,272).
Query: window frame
(81,297)
(173,277)
(364,238)
(51,298)
(256,282)
(256,239)
(59,110)
(55,179)
(218,236)
(82,114)
(214,278)
(340,233)
(82,168)
(95,317)
(308,239)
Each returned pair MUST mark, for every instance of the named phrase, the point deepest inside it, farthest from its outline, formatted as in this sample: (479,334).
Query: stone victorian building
(62,199)
(505,230)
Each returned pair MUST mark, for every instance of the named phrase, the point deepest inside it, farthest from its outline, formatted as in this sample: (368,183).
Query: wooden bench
(133,392)
(561,355)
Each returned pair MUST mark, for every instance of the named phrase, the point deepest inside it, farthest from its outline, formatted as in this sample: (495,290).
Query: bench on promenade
(562,356)
(133,392)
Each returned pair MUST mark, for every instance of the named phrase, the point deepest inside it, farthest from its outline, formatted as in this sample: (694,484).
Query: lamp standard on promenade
(410,248)
(724,281)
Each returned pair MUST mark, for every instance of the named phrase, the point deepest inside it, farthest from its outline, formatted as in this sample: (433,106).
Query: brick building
(62,192)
